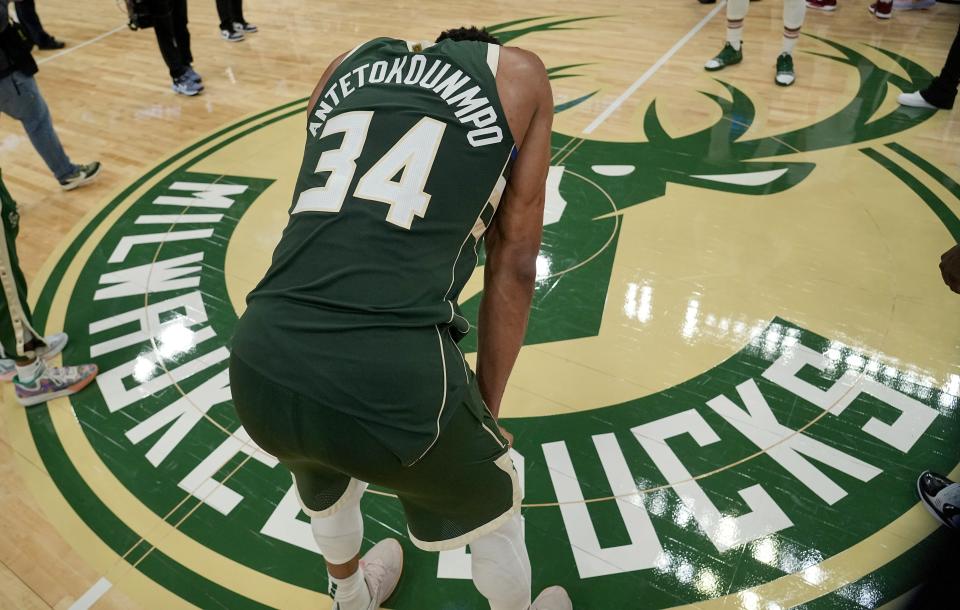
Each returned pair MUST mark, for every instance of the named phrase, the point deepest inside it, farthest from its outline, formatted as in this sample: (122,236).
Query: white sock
(736,13)
(737,9)
(350,593)
(501,567)
(789,42)
(28,373)
(735,35)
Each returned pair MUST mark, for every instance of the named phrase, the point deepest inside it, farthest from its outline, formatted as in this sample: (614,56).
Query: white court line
(653,70)
(92,595)
(81,45)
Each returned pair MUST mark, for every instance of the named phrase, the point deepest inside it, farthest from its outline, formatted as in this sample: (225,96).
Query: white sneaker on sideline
(552,598)
(382,566)
(915,100)
(55,344)
(232,35)
(84,174)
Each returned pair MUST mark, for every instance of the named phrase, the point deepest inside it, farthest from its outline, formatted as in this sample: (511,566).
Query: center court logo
(762,478)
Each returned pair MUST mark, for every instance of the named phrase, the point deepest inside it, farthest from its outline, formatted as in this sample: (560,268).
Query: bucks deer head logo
(593,183)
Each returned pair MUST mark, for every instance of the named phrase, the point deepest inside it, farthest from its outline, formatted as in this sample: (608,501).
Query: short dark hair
(470,33)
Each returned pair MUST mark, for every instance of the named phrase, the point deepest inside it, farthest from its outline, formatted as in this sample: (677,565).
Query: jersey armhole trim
(493,57)
(354,50)
(414,46)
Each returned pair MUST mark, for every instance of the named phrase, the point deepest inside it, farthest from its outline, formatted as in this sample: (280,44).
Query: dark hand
(950,268)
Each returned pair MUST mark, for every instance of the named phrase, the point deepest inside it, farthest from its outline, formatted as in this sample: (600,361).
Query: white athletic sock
(501,567)
(350,593)
(737,9)
(736,12)
(789,41)
(794,13)
(735,35)
(28,373)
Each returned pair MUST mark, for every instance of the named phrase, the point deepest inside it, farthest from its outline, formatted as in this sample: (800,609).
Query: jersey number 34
(412,157)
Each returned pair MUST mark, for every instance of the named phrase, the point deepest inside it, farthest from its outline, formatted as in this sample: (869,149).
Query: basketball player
(794,12)
(346,366)
(941,495)
(23,351)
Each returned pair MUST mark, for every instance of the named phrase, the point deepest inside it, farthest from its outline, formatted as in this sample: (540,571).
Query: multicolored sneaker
(881,10)
(382,566)
(941,496)
(54,383)
(785,73)
(194,76)
(8,369)
(727,57)
(822,5)
(184,85)
(54,345)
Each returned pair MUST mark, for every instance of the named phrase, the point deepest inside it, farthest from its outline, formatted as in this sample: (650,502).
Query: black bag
(141,17)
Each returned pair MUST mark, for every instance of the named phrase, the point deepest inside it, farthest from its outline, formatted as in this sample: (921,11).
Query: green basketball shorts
(463,488)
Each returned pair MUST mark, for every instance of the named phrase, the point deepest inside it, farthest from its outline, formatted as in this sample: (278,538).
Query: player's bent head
(470,33)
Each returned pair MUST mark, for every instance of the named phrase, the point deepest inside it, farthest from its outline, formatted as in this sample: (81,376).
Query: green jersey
(406,159)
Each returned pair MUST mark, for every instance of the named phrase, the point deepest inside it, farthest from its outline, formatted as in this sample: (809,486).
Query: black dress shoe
(51,44)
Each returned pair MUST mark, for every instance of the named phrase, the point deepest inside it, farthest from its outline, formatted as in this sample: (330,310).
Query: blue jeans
(20,98)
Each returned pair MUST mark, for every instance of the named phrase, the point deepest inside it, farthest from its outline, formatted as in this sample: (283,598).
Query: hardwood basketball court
(740,357)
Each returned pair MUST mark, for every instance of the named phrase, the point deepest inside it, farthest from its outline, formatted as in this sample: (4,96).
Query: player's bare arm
(513,240)
(318,90)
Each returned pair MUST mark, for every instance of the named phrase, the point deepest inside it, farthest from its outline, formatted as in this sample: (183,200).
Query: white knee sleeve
(794,12)
(501,567)
(737,9)
(340,535)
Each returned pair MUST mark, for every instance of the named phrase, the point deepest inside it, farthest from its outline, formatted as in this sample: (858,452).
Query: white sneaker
(552,598)
(84,174)
(915,100)
(231,35)
(54,345)
(382,566)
